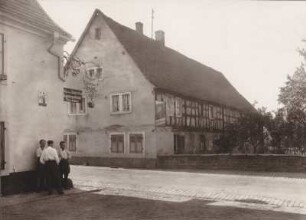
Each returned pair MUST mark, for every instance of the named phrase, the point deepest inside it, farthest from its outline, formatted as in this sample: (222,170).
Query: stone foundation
(115,162)
(266,163)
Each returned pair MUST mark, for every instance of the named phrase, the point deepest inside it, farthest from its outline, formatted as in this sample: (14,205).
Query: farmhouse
(31,89)
(141,99)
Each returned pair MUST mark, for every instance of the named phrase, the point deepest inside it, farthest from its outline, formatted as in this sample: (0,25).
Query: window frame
(120,103)
(176,143)
(95,69)
(68,140)
(110,143)
(211,112)
(77,107)
(2,53)
(143,143)
(98,33)
(3,73)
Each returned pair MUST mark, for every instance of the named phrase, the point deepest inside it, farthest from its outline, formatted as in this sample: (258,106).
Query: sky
(253,43)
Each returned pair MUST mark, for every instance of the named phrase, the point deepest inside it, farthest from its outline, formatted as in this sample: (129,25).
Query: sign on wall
(72,95)
(42,98)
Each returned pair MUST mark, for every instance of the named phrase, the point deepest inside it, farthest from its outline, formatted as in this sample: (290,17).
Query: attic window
(98,33)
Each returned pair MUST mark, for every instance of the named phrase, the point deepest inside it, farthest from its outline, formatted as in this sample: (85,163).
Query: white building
(31,88)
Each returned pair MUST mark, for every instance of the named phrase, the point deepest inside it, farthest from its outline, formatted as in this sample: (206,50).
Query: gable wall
(120,74)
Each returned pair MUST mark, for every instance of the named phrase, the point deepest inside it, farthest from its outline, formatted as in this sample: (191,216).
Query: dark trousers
(41,176)
(64,169)
(53,177)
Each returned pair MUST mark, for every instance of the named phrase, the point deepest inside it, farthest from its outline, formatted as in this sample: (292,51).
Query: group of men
(52,166)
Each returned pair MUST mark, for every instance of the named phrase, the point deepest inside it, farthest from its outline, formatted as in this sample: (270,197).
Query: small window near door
(136,142)
(117,143)
(70,140)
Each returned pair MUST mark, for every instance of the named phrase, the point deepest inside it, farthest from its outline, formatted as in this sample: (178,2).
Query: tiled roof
(169,70)
(31,13)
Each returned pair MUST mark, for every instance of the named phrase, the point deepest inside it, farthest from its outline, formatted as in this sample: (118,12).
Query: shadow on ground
(90,205)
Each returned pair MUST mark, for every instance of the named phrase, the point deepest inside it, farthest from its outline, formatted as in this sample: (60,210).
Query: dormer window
(91,73)
(94,73)
(98,33)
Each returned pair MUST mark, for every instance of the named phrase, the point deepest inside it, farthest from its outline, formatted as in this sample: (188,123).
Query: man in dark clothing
(50,158)
(41,174)
(64,167)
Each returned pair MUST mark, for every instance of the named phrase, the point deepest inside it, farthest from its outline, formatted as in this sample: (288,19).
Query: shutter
(113,143)
(3,75)
(1,54)
(2,146)
(120,139)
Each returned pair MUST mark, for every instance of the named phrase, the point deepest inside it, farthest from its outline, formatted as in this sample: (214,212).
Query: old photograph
(152,109)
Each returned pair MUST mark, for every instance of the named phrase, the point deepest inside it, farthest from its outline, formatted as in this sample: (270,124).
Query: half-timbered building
(150,99)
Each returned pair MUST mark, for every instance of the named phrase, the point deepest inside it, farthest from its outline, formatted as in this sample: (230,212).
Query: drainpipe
(53,50)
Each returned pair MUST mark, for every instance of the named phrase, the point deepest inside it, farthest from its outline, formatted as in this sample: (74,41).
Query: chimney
(139,27)
(160,37)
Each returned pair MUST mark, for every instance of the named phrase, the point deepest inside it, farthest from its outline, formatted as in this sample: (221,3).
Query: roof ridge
(171,70)
(157,44)
(31,12)
(51,20)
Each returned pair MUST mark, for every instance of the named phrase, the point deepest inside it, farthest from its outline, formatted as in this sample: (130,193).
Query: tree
(293,94)
(248,134)
(293,98)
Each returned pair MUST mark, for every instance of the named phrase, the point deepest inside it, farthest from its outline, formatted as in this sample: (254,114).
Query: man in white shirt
(50,158)
(41,174)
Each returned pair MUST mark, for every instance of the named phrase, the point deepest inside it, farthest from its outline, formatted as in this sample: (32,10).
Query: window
(1,54)
(136,142)
(98,33)
(121,103)
(117,143)
(126,102)
(178,107)
(91,73)
(99,73)
(70,140)
(2,41)
(211,112)
(179,144)
(77,108)
(94,73)
(82,106)
(115,103)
